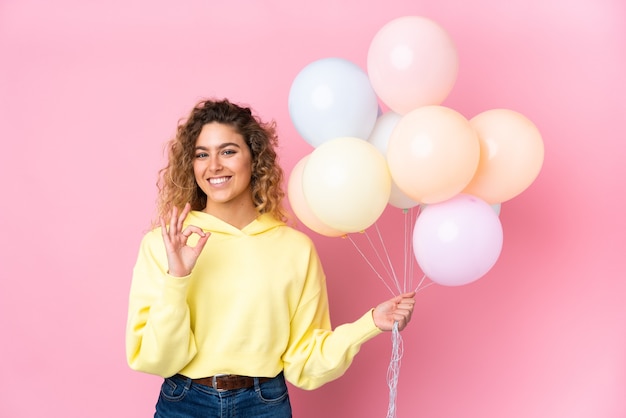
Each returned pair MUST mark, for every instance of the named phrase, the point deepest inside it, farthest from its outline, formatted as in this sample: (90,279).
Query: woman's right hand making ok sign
(181,258)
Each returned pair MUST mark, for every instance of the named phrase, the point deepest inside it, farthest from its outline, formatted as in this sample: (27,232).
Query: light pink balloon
(411,62)
(301,208)
(457,241)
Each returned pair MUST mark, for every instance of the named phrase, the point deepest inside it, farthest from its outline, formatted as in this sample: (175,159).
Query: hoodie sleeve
(159,339)
(316,354)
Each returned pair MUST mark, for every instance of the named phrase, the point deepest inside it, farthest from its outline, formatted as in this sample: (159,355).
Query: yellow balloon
(346,183)
(433,153)
(299,205)
(511,155)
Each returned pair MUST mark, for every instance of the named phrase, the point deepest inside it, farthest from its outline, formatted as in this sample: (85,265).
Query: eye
(202,155)
(229,152)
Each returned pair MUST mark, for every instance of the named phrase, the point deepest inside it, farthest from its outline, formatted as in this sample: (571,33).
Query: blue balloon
(331,98)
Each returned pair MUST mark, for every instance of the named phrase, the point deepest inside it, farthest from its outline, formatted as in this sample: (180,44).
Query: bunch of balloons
(418,152)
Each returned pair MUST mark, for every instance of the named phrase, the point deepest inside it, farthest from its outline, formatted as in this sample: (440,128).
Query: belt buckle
(214,380)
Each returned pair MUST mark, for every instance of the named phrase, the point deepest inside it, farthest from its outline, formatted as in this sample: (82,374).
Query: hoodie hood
(207,222)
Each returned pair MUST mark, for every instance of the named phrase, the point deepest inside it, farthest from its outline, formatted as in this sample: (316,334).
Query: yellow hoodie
(255,304)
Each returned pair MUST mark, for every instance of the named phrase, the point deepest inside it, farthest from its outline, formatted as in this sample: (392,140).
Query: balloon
(346,183)
(301,208)
(511,155)
(330,98)
(412,62)
(380,139)
(433,153)
(457,241)
(497,207)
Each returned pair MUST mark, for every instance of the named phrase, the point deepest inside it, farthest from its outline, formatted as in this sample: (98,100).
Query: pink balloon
(301,208)
(457,241)
(412,62)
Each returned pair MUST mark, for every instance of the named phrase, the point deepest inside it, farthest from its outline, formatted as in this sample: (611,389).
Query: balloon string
(407,249)
(389,263)
(382,279)
(415,213)
(420,283)
(391,278)
(393,371)
(377,253)
(409,257)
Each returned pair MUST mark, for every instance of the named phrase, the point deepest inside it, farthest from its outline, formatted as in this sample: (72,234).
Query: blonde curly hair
(176,183)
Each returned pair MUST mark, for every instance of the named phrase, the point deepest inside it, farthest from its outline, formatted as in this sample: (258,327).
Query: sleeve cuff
(175,290)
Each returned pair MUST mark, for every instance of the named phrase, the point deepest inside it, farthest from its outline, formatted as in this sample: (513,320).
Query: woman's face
(222,167)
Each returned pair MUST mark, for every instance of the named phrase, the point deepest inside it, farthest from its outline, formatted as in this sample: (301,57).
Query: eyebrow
(221,146)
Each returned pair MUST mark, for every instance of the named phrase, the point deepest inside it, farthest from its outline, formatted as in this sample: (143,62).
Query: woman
(227,301)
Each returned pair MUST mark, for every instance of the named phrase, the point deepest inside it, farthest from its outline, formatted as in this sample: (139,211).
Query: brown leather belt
(229,381)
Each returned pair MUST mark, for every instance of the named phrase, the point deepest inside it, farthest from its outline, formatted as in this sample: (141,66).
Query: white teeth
(218,180)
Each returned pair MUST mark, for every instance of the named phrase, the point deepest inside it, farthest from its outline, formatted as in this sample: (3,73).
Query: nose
(214,163)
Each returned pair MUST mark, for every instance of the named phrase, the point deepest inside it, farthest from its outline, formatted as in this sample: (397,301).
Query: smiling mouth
(218,180)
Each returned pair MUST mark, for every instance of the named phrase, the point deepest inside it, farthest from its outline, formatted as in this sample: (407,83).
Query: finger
(408,297)
(186,233)
(192,229)
(401,322)
(403,297)
(173,229)
(186,209)
(402,319)
(201,242)
(406,305)
(163,228)
(409,315)
(183,216)
(404,312)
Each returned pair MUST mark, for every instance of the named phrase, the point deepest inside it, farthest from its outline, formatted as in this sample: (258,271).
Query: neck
(237,215)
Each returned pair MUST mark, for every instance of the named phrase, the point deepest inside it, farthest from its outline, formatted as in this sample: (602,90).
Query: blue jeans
(181,398)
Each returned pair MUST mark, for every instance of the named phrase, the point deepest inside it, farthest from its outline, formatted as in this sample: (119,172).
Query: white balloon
(379,137)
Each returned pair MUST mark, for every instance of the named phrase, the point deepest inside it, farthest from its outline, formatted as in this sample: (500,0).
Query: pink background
(90,92)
